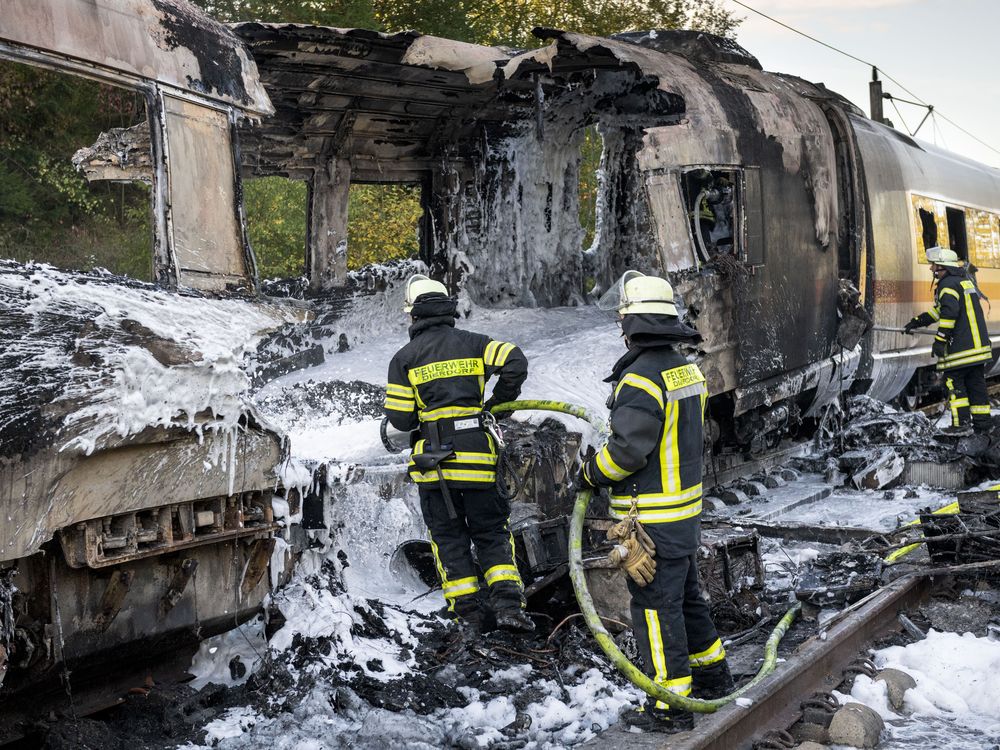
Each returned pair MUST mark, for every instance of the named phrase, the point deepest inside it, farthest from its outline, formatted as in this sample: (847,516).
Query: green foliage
(382,223)
(276,225)
(48,211)
(510,22)
(342,13)
(590,163)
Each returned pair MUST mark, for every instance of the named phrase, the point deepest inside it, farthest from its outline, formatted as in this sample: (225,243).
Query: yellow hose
(604,639)
(896,555)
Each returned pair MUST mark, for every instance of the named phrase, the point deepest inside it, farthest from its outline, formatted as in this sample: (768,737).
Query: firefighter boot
(507,602)
(712,682)
(663,720)
(470,615)
(514,620)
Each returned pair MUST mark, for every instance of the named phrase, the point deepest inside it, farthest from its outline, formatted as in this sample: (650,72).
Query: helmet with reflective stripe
(417,286)
(635,293)
(942,256)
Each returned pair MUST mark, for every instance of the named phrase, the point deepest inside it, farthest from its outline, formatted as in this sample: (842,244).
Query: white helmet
(418,285)
(942,256)
(635,292)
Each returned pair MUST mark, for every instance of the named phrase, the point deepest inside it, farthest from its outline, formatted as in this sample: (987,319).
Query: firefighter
(436,385)
(652,464)
(962,343)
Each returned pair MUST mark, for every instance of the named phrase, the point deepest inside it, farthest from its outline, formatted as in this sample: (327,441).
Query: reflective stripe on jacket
(440,376)
(961,323)
(654,454)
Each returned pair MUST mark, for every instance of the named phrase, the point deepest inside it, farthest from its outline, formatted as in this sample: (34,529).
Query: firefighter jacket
(654,453)
(961,324)
(436,382)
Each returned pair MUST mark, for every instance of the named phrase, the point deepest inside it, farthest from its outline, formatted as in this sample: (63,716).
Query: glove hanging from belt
(633,551)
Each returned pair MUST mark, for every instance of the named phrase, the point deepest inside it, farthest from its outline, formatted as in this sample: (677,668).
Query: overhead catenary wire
(919,101)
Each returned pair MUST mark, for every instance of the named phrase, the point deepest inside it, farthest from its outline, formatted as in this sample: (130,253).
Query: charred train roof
(390,100)
(170,41)
(397,105)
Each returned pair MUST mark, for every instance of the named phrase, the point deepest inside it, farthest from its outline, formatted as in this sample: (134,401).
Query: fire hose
(589,611)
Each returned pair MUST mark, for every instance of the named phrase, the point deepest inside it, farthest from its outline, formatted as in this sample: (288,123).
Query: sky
(947,53)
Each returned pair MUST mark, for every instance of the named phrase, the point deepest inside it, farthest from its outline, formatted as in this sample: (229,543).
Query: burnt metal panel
(169,41)
(754,218)
(51,492)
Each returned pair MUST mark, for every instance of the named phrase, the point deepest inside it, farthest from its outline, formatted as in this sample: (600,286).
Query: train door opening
(851,221)
(957,238)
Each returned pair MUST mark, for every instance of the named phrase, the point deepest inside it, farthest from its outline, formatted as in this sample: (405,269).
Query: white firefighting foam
(954,704)
(131,389)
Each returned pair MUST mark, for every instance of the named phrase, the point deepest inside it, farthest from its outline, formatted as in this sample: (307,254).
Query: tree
(276,225)
(341,13)
(510,22)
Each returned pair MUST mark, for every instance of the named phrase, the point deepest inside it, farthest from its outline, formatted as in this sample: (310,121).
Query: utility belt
(438,438)
(439,432)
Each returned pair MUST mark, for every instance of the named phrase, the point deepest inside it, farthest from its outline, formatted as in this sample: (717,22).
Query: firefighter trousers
(673,624)
(968,399)
(482,521)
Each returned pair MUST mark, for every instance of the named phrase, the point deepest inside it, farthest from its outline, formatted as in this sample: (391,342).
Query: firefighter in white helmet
(962,344)
(436,384)
(652,465)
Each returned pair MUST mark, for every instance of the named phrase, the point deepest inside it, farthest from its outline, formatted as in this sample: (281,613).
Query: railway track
(817,666)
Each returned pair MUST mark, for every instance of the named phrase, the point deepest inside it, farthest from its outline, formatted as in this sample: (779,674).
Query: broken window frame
(958,233)
(748,244)
(738,218)
(981,257)
(661,185)
(147,88)
(166,270)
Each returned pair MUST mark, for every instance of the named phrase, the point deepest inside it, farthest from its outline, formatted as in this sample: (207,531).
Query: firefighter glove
(940,348)
(632,556)
(585,477)
(911,326)
(627,529)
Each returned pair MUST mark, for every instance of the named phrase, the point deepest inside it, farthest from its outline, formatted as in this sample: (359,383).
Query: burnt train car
(786,219)
(136,482)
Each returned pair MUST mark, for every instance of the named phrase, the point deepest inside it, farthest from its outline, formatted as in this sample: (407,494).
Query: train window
(957,239)
(985,240)
(712,199)
(75,172)
(928,225)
